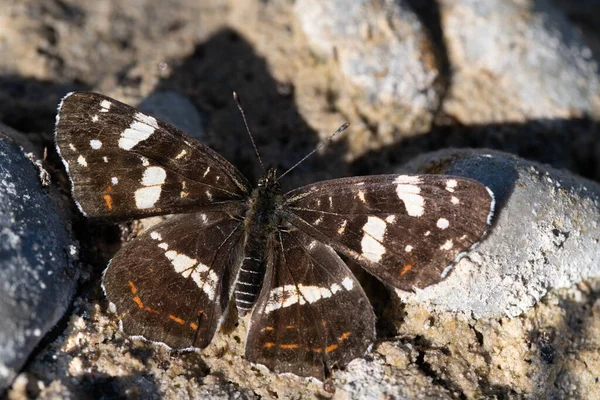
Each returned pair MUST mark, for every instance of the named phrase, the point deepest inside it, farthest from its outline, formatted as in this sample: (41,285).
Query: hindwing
(312,314)
(171,284)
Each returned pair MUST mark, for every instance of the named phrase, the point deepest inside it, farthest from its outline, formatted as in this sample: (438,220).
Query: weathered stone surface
(37,280)
(544,235)
(514,61)
(380,45)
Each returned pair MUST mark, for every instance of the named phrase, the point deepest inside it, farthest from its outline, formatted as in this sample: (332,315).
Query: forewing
(312,313)
(406,230)
(170,284)
(124,164)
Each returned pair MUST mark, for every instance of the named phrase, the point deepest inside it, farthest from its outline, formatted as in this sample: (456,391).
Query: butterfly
(269,254)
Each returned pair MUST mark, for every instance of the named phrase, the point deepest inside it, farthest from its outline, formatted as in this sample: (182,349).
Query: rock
(515,61)
(380,45)
(37,279)
(544,235)
(177,110)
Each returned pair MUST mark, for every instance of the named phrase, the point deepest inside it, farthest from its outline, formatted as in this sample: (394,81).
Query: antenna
(323,143)
(236,98)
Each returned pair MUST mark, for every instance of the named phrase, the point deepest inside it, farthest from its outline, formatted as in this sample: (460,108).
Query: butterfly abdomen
(260,228)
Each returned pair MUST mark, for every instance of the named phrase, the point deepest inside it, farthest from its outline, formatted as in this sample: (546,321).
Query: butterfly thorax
(261,222)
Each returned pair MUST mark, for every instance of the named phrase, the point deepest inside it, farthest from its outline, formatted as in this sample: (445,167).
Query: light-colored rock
(380,45)
(545,235)
(514,61)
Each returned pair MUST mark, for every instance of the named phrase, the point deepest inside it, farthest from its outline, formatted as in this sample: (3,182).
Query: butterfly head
(268,182)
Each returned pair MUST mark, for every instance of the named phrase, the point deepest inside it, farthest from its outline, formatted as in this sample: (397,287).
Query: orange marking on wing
(317,350)
(344,336)
(138,301)
(178,320)
(132,286)
(108,201)
(152,310)
(193,326)
(290,326)
(331,348)
(406,268)
(269,328)
(268,345)
(289,346)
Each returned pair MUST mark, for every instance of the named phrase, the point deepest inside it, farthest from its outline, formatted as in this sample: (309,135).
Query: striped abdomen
(251,274)
(261,222)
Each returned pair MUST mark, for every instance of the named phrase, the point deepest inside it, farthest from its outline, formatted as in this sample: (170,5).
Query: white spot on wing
(156,236)
(95,144)
(95,118)
(407,180)
(72,147)
(154,176)
(114,180)
(450,185)
(390,219)
(442,223)
(181,262)
(447,246)
(105,159)
(288,295)
(140,129)
(408,248)
(188,267)
(454,200)
(361,196)
(348,283)
(105,106)
(343,227)
(181,154)
(374,230)
(82,161)
(209,284)
(408,191)
(146,197)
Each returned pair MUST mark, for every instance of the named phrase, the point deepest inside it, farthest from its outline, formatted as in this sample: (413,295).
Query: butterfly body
(273,254)
(261,222)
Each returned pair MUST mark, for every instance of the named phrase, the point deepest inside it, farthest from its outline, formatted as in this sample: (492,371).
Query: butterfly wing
(171,284)
(312,313)
(124,164)
(406,230)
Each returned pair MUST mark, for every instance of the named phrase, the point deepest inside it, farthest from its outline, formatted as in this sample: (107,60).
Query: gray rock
(514,61)
(389,373)
(380,45)
(37,279)
(545,235)
(177,110)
